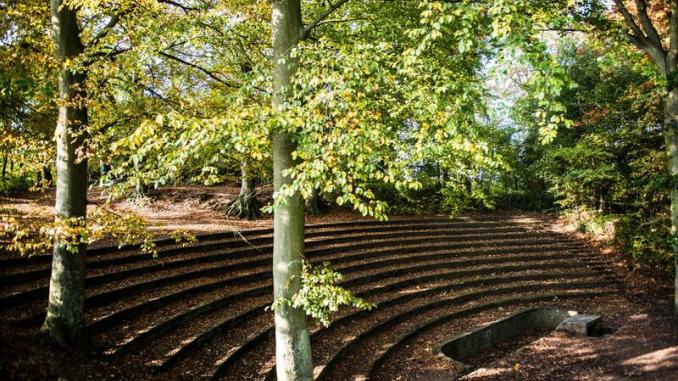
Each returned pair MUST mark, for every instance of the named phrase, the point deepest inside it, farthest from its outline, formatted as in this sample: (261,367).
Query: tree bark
(293,347)
(246,204)
(671,138)
(4,166)
(66,306)
(314,205)
(47,175)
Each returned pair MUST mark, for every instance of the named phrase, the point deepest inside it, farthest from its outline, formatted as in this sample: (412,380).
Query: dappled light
(297,190)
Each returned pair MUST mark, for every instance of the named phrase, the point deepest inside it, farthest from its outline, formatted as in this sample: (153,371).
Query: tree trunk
(140,188)
(47,175)
(246,204)
(4,166)
(314,205)
(66,306)
(293,346)
(671,137)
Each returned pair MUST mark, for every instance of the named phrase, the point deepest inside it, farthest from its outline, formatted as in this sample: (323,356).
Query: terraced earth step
(581,289)
(357,337)
(391,347)
(264,248)
(213,331)
(203,307)
(239,241)
(420,244)
(216,303)
(168,246)
(111,295)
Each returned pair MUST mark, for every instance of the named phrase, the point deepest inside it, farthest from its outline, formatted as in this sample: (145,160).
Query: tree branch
(628,18)
(149,89)
(641,40)
(308,28)
(649,28)
(209,73)
(184,8)
(112,22)
(330,21)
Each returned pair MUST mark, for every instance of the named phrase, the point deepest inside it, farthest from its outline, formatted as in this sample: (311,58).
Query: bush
(15,184)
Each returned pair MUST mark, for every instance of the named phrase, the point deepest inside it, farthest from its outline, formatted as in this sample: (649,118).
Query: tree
(65,320)
(245,205)
(644,29)
(293,345)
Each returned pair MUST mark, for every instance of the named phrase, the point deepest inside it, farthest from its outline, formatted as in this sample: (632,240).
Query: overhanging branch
(333,7)
(209,73)
(649,28)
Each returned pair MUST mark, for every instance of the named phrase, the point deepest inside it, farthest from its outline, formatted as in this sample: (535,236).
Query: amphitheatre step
(449,275)
(213,331)
(426,243)
(485,292)
(390,348)
(42,262)
(460,283)
(252,250)
(579,289)
(266,288)
(203,308)
(591,275)
(110,295)
(169,247)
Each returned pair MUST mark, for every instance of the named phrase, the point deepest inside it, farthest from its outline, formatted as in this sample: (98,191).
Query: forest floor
(645,346)
(193,208)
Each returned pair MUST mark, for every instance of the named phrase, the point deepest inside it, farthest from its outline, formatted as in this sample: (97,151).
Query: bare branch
(333,7)
(567,30)
(148,89)
(334,21)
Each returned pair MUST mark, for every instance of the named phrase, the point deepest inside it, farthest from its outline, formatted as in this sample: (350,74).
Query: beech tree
(66,308)
(653,27)
(245,205)
(293,345)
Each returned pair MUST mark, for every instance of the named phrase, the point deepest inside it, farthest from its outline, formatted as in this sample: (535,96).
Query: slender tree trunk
(246,204)
(47,175)
(671,137)
(66,307)
(314,204)
(293,346)
(4,166)
(140,188)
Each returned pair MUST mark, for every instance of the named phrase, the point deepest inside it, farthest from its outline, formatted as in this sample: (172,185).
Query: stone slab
(580,325)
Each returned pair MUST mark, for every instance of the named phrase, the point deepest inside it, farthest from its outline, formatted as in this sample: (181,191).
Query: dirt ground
(645,346)
(194,208)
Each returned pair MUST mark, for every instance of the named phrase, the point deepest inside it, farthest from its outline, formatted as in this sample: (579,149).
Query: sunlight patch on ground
(666,358)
